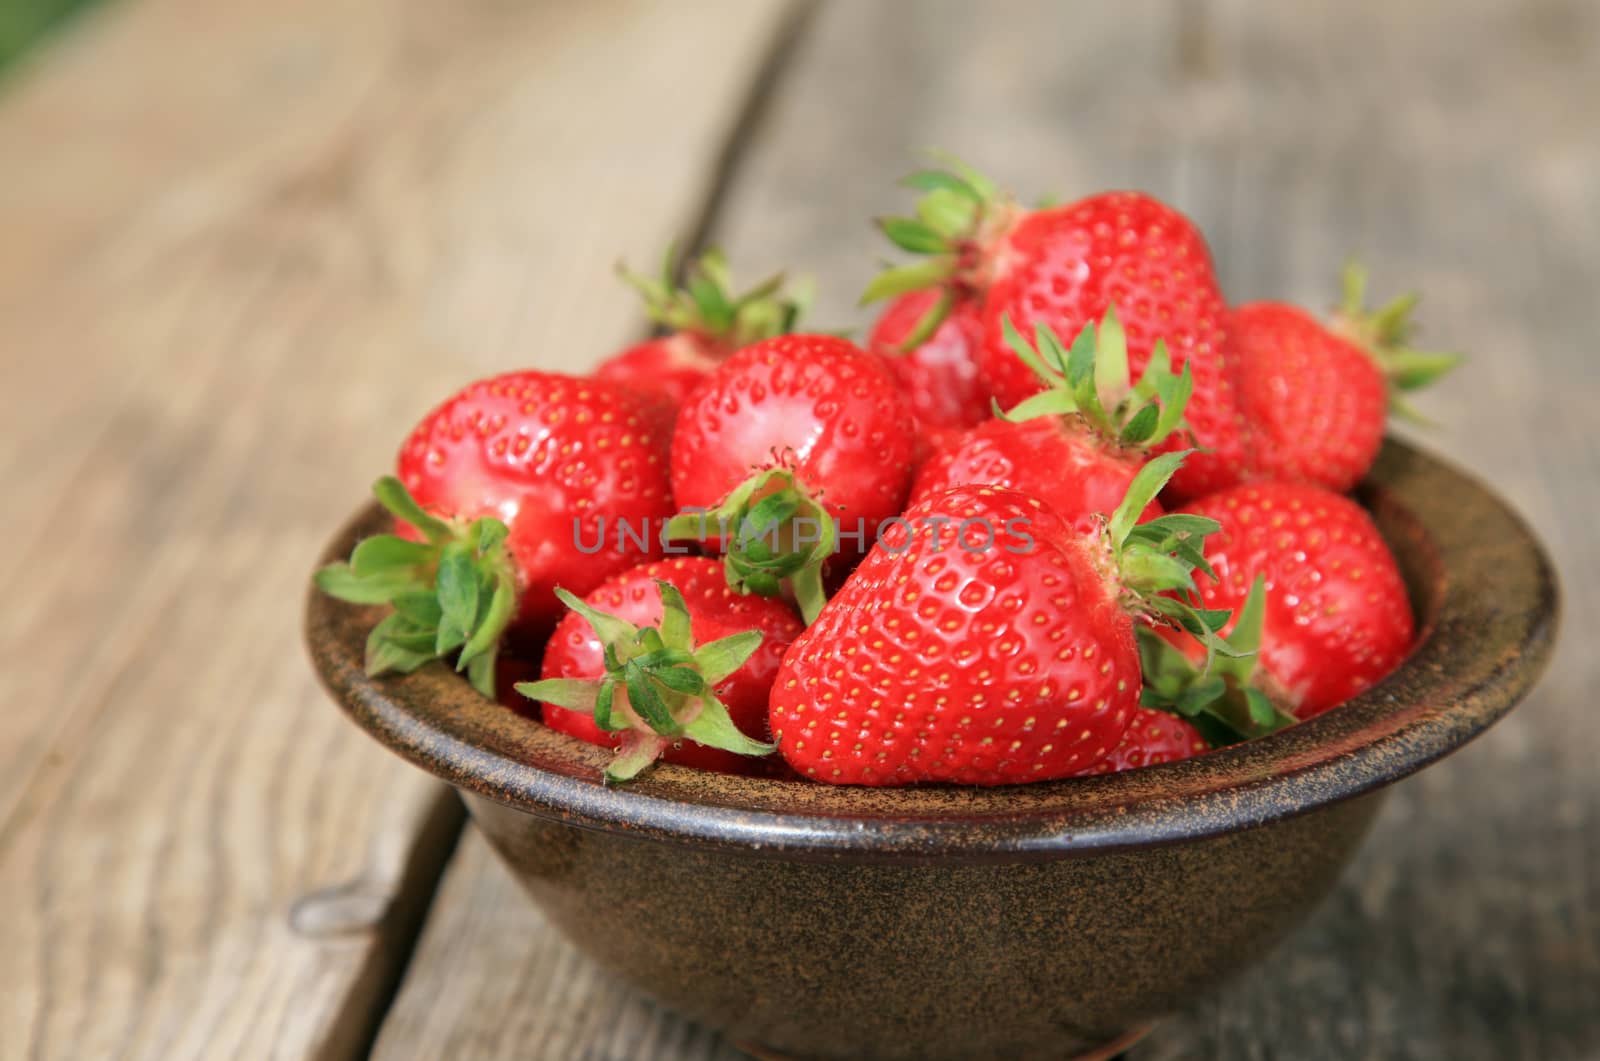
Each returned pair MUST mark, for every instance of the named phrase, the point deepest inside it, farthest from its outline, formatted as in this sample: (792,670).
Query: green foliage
(668,683)
(1386,333)
(453,594)
(1218,698)
(956,202)
(1091,378)
(763,553)
(706,302)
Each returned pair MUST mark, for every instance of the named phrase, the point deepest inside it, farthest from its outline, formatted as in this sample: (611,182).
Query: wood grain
(489,953)
(243,243)
(1441,142)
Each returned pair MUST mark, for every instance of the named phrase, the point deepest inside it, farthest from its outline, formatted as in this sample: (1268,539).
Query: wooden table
(243,245)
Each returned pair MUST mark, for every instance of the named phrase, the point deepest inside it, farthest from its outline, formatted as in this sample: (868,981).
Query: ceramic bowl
(1044,921)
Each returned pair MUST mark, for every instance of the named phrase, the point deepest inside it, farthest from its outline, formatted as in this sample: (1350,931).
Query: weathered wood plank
(240,238)
(493,979)
(1443,143)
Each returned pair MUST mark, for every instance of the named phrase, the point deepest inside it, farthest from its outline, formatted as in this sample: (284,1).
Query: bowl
(1050,921)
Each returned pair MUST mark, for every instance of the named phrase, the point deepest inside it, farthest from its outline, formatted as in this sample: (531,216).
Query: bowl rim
(1487,634)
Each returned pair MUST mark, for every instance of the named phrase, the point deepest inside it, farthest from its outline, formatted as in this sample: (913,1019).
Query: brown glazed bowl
(1046,921)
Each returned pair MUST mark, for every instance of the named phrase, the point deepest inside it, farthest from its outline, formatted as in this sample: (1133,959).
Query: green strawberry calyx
(666,685)
(453,593)
(1385,334)
(1090,379)
(774,535)
(1222,701)
(1155,561)
(707,305)
(960,216)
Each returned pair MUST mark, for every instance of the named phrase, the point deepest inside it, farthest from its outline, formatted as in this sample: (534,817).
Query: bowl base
(1108,1052)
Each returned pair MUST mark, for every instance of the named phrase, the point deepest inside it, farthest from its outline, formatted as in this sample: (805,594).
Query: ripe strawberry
(667,368)
(937,367)
(683,602)
(704,322)
(984,641)
(1063,266)
(1332,616)
(1317,397)
(1077,445)
(515,483)
(1153,737)
(785,438)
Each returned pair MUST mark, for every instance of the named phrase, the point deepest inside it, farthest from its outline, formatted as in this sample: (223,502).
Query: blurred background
(243,246)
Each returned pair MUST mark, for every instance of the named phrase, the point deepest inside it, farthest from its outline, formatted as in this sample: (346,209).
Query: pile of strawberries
(1066,512)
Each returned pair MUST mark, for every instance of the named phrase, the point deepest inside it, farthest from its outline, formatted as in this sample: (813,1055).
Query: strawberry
(1313,587)
(938,367)
(513,484)
(1063,266)
(1077,445)
(1317,397)
(984,641)
(1153,737)
(784,442)
(667,368)
(704,323)
(650,619)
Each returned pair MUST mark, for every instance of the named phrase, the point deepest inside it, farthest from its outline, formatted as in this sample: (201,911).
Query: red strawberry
(515,483)
(667,368)
(1063,266)
(1317,397)
(784,439)
(937,368)
(1078,445)
(1334,616)
(1153,737)
(576,664)
(982,641)
(1051,458)
(705,322)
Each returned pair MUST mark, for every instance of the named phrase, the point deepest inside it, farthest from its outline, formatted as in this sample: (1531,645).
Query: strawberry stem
(454,593)
(1220,700)
(705,303)
(1158,558)
(774,535)
(960,215)
(666,685)
(1090,379)
(1385,334)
